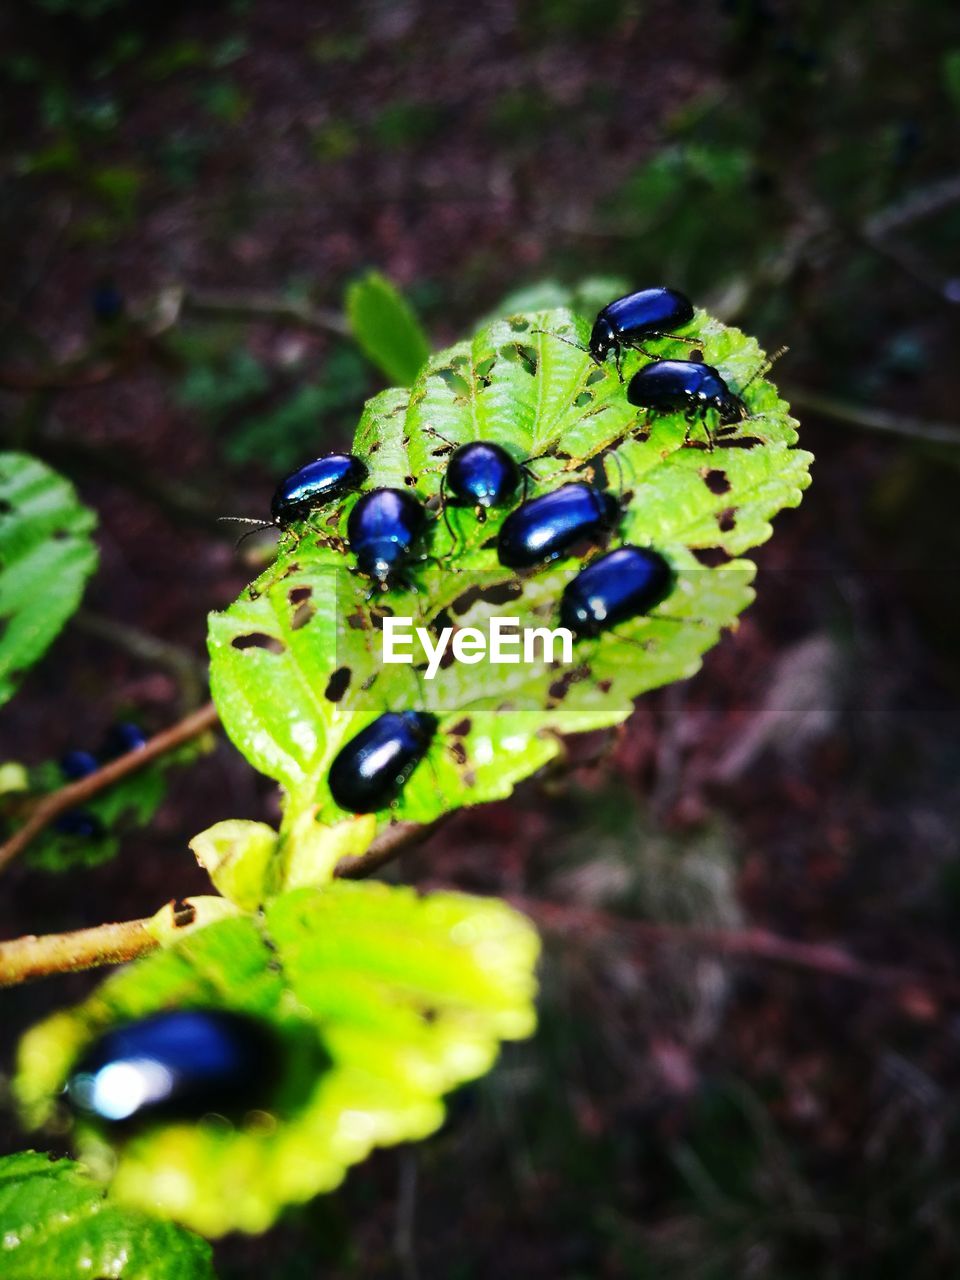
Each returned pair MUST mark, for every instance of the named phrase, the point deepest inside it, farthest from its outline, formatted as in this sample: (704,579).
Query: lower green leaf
(57,1223)
(405,996)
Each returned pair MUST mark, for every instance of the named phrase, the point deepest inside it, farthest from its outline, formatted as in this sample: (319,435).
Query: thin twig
(752,943)
(872,419)
(186,667)
(78,793)
(388,844)
(23,959)
(250,307)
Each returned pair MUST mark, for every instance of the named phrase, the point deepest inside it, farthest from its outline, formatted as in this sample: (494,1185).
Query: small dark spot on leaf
(338,684)
(605,686)
(727,519)
(696,355)
(259,640)
(5,507)
(470,778)
(462,728)
(297,595)
(370,681)
(459,752)
(562,456)
(61,535)
(410,480)
(374,448)
(184,913)
(717,481)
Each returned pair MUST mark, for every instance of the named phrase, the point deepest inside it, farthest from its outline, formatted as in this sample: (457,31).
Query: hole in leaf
(462,728)
(338,684)
(297,595)
(583,399)
(711,557)
(5,507)
(184,913)
(523,355)
(259,640)
(459,752)
(560,688)
(717,481)
(302,615)
(596,376)
(485,368)
(455,381)
(727,519)
(518,324)
(410,480)
(742,442)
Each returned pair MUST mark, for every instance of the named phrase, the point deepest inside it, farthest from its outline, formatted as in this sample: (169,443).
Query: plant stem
(389,843)
(30,957)
(77,793)
(858,415)
(187,669)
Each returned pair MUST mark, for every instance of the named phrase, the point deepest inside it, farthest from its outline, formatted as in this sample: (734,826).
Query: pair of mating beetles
(385,526)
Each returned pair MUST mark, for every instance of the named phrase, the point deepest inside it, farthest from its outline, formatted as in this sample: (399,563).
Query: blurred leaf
(214,386)
(276,650)
(236,854)
(56,1223)
(950,68)
(386,328)
(402,998)
(46,556)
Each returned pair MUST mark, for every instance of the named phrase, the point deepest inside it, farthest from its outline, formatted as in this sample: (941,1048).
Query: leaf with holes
(386,328)
(382,1000)
(58,1223)
(297,664)
(46,556)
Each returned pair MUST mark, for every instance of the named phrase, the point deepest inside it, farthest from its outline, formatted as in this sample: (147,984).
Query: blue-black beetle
(177,1064)
(685,386)
(122,738)
(75,764)
(649,313)
(369,772)
(80,823)
(310,486)
(622,584)
(382,531)
(482,474)
(314,485)
(548,527)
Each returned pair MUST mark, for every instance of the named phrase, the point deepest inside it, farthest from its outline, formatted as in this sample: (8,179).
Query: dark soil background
(794,167)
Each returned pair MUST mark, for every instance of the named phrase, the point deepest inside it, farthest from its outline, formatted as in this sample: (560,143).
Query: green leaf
(404,998)
(276,650)
(46,556)
(56,1223)
(128,805)
(386,328)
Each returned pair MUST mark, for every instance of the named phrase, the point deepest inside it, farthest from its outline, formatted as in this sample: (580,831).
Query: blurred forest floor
(680,1114)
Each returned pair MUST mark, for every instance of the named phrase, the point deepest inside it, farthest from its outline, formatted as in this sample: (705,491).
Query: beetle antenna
(258,525)
(764,367)
(578,345)
(432,431)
